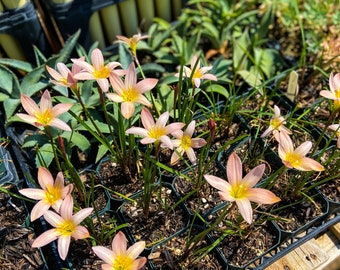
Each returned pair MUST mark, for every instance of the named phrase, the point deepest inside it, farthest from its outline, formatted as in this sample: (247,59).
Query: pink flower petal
(130,78)
(97,59)
(39,209)
(45,178)
(28,119)
(114,97)
(119,244)
(136,249)
(260,195)
(163,119)
(173,127)
(308,164)
(137,131)
(117,84)
(217,182)
(60,109)
(63,246)
(45,101)
(33,193)
(81,215)
(127,108)
(104,254)
(80,233)
(53,218)
(147,119)
(166,140)
(146,85)
(191,155)
(198,142)
(303,149)
(66,208)
(60,124)
(45,238)
(254,176)
(234,169)
(245,209)
(139,263)
(29,105)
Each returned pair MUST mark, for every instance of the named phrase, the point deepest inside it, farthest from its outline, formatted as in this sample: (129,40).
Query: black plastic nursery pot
(167,216)
(22,26)
(49,251)
(174,253)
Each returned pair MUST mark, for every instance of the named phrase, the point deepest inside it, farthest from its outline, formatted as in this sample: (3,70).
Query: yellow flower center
(44,118)
(197,74)
(123,262)
(102,73)
(293,159)
(133,44)
(64,81)
(276,123)
(66,228)
(130,95)
(156,132)
(239,191)
(337,93)
(186,142)
(52,194)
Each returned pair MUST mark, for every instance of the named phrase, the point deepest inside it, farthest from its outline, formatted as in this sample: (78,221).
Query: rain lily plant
(184,143)
(156,115)
(197,73)
(51,193)
(131,42)
(276,125)
(296,158)
(97,70)
(130,91)
(334,92)
(46,114)
(63,76)
(240,189)
(121,257)
(154,133)
(65,225)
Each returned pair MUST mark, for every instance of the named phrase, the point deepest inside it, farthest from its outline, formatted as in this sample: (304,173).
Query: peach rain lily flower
(129,91)
(276,125)
(46,115)
(63,76)
(121,257)
(131,42)
(199,73)
(184,143)
(98,70)
(66,225)
(296,158)
(334,93)
(241,190)
(155,132)
(336,128)
(51,193)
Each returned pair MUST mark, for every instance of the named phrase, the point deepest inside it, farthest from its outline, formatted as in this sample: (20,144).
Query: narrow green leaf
(17,64)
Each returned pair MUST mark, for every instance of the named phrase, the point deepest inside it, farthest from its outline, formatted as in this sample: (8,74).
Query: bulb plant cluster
(142,123)
(113,109)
